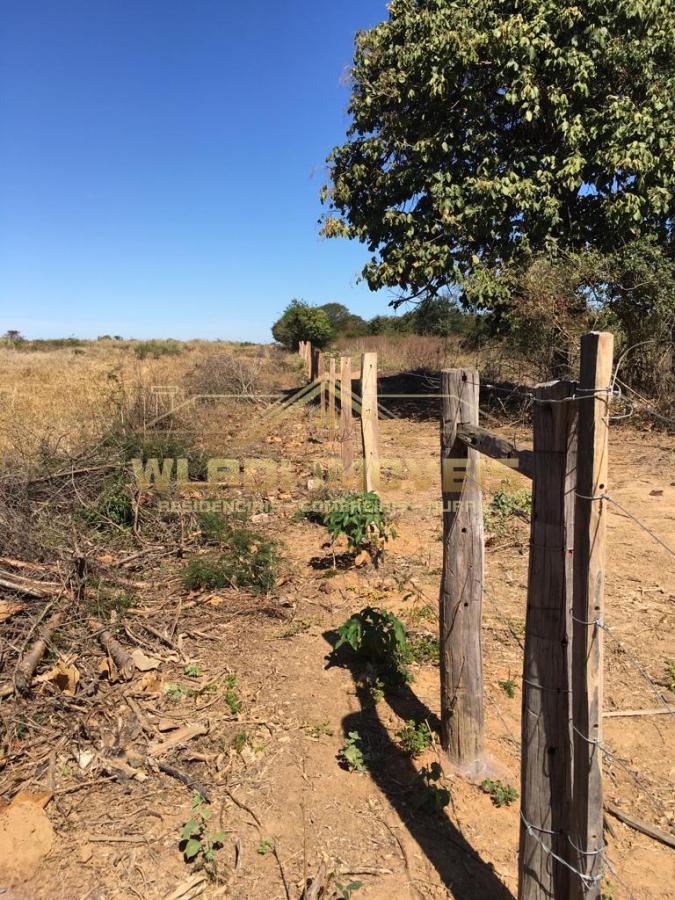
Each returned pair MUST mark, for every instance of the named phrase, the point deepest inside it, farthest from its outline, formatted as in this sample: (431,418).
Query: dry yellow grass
(63,399)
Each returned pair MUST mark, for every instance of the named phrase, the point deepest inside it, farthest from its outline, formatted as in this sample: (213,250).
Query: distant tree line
(300,321)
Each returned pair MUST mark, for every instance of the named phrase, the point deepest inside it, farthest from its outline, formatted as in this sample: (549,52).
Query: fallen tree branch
(116,651)
(37,590)
(625,713)
(29,662)
(642,827)
(181,736)
(185,779)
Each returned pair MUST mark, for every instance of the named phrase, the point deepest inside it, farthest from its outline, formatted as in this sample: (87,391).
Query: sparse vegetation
(231,695)
(670,675)
(198,844)
(415,737)
(351,755)
(362,519)
(156,349)
(423,649)
(379,637)
(504,505)
(508,686)
(239,741)
(264,847)
(432,798)
(247,559)
(500,794)
(317,730)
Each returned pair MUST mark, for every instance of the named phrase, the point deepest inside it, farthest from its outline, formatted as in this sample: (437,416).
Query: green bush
(247,559)
(302,322)
(156,349)
(504,505)
(112,507)
(364,522)
(378,636)
(415,737)
(500,794)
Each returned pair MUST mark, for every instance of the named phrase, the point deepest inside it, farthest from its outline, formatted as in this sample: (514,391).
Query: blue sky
(161,161)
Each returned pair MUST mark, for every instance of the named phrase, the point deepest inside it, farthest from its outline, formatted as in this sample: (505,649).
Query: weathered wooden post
(546,763)
(331,398)
(346,439)
(589,580)
(322,386)
(462,581)
(369,426)
(314,360)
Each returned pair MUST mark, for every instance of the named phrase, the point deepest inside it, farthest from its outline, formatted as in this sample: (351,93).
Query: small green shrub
(247,559)
(500,794)
(351,754)
(364,522)
(177,692)
(432,799)
(508,686)
(504,505)
(197,843)
(239,741)
(415,737)
(670,675)
(378,636)
(346,890)
(264,847)
(112,507)
(231,696)
(370,691)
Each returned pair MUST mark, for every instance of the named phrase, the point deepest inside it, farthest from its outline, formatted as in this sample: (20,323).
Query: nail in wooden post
(369,425)
(546,759)
(462,718)
(331,398)
(589,578)
(346,438)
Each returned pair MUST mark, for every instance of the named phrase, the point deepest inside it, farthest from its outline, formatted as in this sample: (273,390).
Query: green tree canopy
(302,322)
(485,132)
(345,323)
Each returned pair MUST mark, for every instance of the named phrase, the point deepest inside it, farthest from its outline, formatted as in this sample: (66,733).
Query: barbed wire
(588,881)
(630,515)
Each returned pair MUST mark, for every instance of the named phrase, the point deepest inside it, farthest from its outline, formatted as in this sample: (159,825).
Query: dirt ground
(289,811)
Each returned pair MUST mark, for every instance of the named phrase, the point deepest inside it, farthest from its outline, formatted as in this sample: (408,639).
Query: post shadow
(461,869)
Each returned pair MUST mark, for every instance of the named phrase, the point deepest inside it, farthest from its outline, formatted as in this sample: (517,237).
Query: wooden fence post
(462,716)
(331,398)
(314,367)
(322,386)
(346,412)
(546,756)
(307,357)
(589,578)
(369,427)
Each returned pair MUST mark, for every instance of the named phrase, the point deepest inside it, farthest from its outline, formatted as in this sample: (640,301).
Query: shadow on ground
(461,869)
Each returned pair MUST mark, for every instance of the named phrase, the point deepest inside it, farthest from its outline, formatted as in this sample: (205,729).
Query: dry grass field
(154,687)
